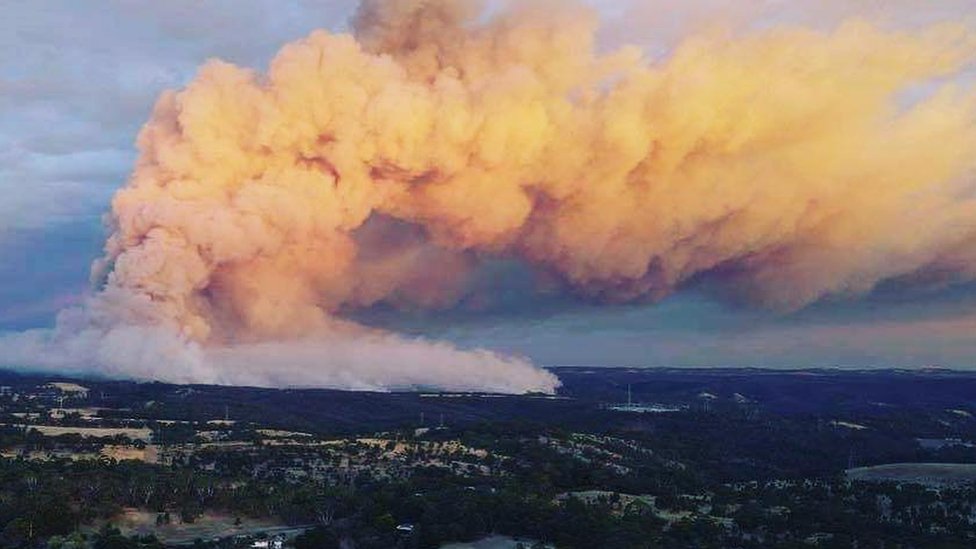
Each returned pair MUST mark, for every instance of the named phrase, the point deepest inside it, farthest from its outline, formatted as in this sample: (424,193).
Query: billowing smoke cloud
(383,168)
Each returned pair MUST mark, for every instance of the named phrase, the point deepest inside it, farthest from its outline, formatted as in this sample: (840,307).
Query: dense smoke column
(384,167)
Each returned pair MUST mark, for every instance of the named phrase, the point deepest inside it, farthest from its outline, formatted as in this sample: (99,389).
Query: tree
(110,537)
(317,538)
(16,533)
(74,541)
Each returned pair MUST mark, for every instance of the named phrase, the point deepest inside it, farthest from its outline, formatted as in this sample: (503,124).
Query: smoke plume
(385,167)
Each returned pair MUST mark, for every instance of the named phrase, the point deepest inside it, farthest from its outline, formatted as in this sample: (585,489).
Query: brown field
(56,430)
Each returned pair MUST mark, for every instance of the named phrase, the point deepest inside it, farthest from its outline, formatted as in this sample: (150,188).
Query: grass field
(494,542)
(210,526)
(934,474)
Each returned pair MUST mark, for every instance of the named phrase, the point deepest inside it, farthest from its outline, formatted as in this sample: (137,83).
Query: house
(276,542)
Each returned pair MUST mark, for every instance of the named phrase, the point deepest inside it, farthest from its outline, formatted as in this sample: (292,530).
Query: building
(277,542)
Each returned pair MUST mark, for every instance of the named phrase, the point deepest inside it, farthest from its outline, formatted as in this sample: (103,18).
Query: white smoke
(95,339)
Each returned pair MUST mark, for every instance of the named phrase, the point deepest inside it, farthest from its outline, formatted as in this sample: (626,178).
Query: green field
(493,542)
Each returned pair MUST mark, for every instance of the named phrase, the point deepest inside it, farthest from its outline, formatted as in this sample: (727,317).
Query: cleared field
(56,430)
(210,526)
(933,474)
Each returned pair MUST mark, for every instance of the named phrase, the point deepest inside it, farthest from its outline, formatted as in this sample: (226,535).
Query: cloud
(691,330)
(76,83)
(45,269)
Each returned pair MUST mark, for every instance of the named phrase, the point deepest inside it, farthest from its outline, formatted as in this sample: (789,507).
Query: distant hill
(581,400)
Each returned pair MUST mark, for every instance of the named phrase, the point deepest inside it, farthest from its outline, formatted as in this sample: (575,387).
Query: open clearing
(207,527)
(917,473)
(56,430)
(494,542)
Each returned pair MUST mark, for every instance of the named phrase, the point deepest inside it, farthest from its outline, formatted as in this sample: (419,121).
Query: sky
(78,79)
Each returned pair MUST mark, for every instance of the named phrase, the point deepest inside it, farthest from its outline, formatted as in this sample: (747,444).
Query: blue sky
(78,79)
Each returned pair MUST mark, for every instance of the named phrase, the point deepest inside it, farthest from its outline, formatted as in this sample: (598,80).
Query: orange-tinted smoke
(783,166)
